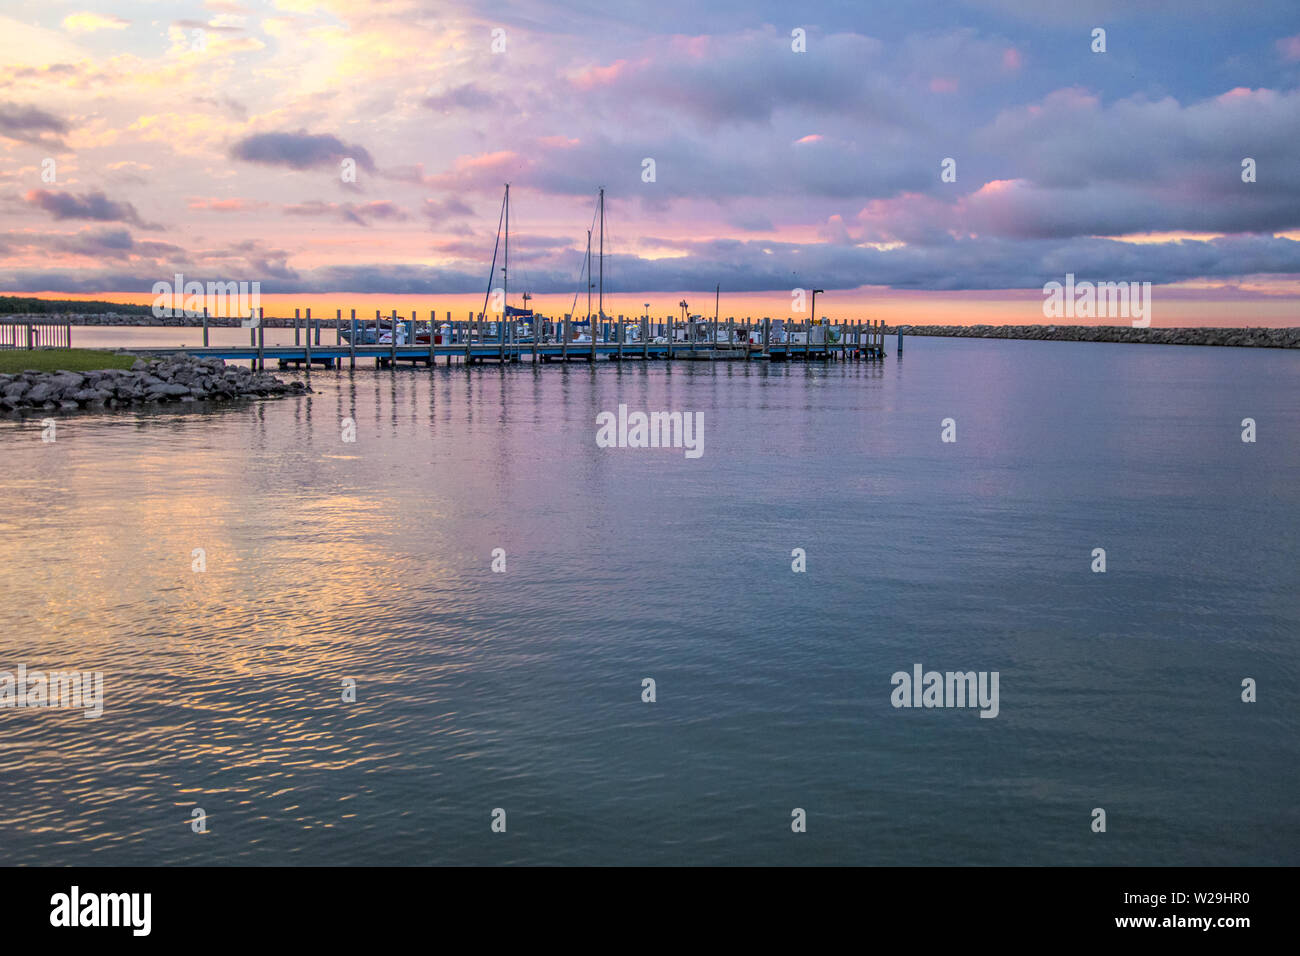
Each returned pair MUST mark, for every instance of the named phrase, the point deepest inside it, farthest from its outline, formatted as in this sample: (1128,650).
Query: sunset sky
(217,154)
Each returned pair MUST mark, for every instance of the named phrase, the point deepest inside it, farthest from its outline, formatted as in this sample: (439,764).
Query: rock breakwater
(177,378)
(1244,338)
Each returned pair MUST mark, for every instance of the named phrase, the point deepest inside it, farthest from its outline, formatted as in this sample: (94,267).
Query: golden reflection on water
(237,668)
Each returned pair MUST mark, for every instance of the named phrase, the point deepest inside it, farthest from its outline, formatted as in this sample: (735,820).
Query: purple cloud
(92,205)
(27,124)
(301,150)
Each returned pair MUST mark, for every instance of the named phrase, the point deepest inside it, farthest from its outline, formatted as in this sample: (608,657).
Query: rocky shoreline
(1241,338)
(177,378)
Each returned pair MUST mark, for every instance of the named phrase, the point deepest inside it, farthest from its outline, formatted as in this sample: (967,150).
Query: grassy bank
(13,361)
(26,305)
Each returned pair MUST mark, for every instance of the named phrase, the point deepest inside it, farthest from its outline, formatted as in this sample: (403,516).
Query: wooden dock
(467,342)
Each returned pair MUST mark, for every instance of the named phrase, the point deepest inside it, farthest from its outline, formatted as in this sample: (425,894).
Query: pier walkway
(466,344)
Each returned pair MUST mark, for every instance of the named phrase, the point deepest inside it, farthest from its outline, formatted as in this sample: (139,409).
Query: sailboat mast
(505,265)
(589,278)
(602,254)
(505,279)
(492,271)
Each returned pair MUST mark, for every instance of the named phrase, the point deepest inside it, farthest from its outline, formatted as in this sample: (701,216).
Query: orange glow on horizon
(1194,305)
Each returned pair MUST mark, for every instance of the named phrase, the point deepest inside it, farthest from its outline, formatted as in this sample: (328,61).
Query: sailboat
(516,325)
(591,328)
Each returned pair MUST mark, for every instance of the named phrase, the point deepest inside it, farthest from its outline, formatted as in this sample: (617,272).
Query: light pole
(814,304)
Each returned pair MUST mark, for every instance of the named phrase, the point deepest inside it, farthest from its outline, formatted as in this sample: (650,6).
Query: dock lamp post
(814,304)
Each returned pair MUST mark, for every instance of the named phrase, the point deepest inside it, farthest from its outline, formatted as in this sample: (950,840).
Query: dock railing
(28,334)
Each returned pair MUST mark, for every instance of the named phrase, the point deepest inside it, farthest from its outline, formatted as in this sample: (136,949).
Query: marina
(501,333)
(534,338)
(504,334)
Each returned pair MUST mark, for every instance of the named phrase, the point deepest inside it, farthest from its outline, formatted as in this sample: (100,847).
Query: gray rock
(69,379)
(159,380)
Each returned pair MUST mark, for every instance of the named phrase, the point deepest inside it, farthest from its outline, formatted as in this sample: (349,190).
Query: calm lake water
(371,561)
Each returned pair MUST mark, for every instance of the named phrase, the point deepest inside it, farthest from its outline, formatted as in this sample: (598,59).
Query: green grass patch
(13,361)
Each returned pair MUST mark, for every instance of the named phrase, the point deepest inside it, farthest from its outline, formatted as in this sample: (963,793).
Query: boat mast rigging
(505,263)
(601,301)
(501,220)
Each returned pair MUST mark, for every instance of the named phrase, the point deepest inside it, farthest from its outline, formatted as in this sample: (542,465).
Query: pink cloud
(906,218)
(596,76)
(694,47)
(1011,59)
(483,171)
(811,138)
(1289,47)
(1246,93)
(834,230)
(487,160)
(226,205)
(994,186)
(943,84)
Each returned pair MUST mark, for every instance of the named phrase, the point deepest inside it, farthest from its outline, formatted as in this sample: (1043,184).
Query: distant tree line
(17,304)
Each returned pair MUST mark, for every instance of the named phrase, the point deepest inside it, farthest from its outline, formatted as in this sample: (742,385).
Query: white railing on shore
(28,334)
